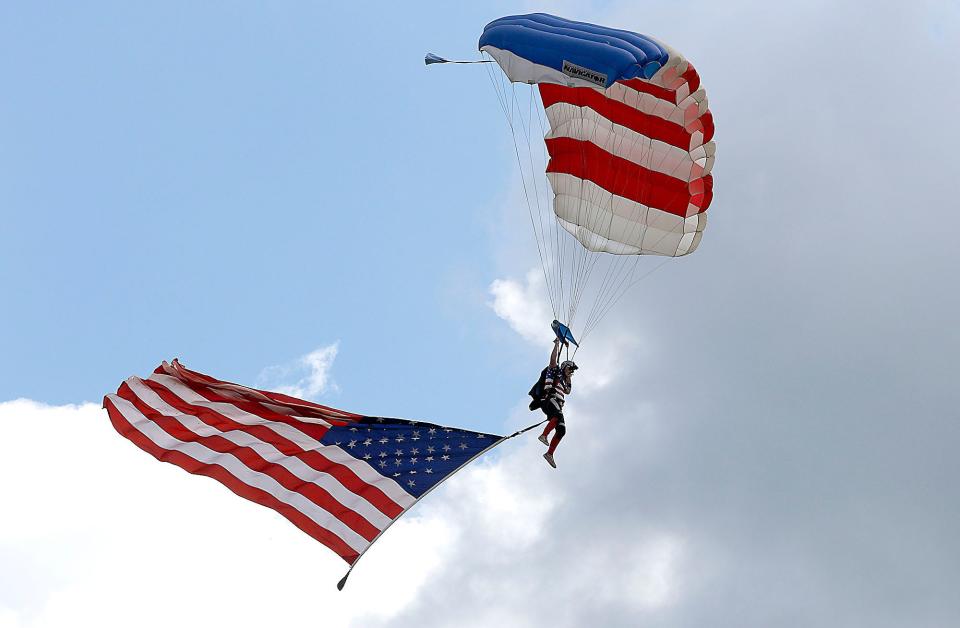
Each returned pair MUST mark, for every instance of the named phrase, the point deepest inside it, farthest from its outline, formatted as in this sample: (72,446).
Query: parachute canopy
(630,131)
(625,136)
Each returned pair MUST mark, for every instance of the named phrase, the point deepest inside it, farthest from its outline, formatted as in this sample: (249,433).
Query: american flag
(341,477)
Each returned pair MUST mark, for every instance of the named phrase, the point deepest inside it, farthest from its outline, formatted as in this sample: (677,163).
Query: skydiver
(557,383)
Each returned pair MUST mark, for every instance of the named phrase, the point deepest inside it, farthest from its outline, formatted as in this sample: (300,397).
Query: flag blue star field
(342,478)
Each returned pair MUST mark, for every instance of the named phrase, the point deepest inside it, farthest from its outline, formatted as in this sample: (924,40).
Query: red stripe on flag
(299,407)
(215,395)
(626,178)
(314,459)
(220,474)
(254,461)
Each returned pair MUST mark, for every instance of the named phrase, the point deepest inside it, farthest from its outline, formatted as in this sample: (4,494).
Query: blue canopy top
(551,41)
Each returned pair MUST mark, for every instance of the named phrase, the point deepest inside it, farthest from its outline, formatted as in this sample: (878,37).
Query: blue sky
(237,184)
(762,434)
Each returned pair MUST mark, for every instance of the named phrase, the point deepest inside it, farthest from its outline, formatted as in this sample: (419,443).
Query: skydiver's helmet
(569,364)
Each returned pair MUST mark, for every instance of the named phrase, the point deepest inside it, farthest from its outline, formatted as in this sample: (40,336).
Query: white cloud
(307,377)
(95,531)
(648,571)
(524,306)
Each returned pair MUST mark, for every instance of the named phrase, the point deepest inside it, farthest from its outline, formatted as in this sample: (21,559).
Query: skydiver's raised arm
(555,353)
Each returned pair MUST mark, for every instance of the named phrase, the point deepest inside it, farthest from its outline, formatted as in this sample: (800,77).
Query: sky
(761,434)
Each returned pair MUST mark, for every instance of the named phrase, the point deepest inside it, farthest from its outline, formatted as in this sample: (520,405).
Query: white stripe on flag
(234,413)
(364,471)
(241,472)
(269,453)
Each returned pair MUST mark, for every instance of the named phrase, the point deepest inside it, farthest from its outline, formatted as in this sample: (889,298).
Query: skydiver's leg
(551,425)
(561,431)
(553,417)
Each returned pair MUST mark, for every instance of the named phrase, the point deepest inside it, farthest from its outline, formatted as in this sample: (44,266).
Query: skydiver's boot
(549,458)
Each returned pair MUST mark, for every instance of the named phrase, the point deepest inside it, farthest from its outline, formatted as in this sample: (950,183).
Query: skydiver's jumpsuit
(555,387)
